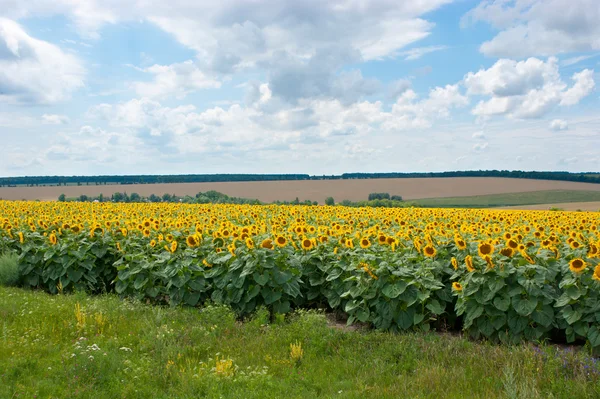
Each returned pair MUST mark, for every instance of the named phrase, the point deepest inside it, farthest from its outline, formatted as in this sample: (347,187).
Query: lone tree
(329,201)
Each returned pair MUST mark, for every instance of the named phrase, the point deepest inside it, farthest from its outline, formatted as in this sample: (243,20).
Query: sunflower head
(596,275)
(153,243)
(577,265)
(469,263)
(460,243)
(53,239)
(281,241)
(174,246)
(191,241)
(485,249)
(267,243)
(508,252)
(454,263)
(429,251)
(307,244)
(249,243)
(456,286)
(365,243)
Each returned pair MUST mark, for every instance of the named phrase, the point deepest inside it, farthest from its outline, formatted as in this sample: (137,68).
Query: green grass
(510,199)
(124,349)
(9,269)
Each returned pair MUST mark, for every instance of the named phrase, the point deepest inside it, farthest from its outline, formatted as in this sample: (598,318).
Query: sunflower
(249,243)
(469,263)
(191,241)
(205,263)
(596,275)
(454,263)
(349,243)
(174,246)
(456,286)
(53,239)
(460,243)
(508,252)
(169,238)
(489,262)
(382,239)
(485,249)
(307,244)
(267,243)
(593,251)
(429,251)
(21,237)
(577,265)
(365,243)
(512,244)
(574,244)
(153,243)
(146,232)
(281,241)
(225,233)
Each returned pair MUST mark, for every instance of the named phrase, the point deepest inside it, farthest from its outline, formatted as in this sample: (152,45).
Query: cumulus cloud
(35,71)
(559,124)
(525,89)
(53,119)
(478,135)
(174,80)
(540,27)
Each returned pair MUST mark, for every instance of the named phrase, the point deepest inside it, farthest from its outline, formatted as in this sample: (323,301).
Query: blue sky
(136,87)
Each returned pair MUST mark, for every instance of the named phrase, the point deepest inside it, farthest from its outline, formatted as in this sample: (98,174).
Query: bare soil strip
(315,190)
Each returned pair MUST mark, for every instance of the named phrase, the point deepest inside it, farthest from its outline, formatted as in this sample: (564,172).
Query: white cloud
(559,124)
(418,52)
(238,32)
(174,80)
(584,83)
(35,71)
(53,119)
(478,135)
(525,89)
(539,27)
(575,60)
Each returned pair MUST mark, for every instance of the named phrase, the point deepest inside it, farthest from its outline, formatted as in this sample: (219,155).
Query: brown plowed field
(315,190)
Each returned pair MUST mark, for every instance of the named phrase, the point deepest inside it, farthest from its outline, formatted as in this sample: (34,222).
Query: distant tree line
(209,197)
(141,179)
(588,177)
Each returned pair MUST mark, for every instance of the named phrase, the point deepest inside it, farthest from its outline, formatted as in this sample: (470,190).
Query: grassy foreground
(77,346)
(511,199)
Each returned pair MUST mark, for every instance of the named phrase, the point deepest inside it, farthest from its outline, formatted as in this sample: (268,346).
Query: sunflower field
(507,276)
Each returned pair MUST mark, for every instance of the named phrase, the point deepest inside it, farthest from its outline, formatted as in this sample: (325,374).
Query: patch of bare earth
(314,190)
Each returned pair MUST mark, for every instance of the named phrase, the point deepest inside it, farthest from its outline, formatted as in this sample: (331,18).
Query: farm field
(77,346)
(315,190)
(508,276)
(542,199)
(593,206)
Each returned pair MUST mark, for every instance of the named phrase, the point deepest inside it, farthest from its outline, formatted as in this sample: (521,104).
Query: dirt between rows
(314,190)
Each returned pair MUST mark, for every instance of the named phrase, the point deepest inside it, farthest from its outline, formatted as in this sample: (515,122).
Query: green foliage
(124,349)
(329,201)
(379,196)
(9,269)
